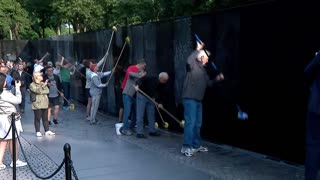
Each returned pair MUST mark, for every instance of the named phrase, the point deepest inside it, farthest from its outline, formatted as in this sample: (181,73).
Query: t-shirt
(37,68)
(132,68)
(65,74)
(53,92)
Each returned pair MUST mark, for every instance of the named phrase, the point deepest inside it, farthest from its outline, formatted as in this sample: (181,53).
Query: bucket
(71,107)
(118,126)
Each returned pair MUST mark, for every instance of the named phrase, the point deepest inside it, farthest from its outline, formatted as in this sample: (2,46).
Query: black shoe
(141,136)
(154,134)
(55,121)
(49,123)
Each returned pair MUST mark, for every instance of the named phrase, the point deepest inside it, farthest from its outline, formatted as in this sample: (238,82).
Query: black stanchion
(13,124)
(67,161)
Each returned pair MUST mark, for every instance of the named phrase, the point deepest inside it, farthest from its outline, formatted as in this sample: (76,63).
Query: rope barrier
(73,171)
(32,170)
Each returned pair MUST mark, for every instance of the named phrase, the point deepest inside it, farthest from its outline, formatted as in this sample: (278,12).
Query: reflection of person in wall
(312,162)
(194,88)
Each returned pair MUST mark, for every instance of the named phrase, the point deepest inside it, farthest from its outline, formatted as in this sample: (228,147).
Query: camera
(13,82)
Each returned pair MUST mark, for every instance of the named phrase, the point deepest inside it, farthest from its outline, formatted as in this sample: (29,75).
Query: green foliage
(40,11)
(13,19)
(48,17)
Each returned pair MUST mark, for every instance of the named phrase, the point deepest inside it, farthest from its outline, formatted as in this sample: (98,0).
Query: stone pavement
(99,154)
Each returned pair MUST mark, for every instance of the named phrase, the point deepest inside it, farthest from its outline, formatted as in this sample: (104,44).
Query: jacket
(312,71)
(131,81)
(41,91)
(196,80)
(23,78)
(96,85)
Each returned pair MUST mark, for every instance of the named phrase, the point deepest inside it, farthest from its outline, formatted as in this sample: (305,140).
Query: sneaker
(125,132)
(66,108)
(19,163)
(55,121)
(2,167)
(154,133)
(50,123)
(141,136)
(49,133)
(38,134)
(88,118)
(200,149)
(187,151)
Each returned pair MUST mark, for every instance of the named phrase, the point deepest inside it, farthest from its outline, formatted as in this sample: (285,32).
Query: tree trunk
(10,33)
(43,28)
(16,31)
(59,30)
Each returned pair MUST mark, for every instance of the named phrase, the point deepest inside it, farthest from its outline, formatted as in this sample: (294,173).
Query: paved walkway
(99,154)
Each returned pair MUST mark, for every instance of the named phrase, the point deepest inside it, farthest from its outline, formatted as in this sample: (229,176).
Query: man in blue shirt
(4,70)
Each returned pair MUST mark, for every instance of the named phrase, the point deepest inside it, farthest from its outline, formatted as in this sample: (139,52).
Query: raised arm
(102,60)
(313,66)
(44,57)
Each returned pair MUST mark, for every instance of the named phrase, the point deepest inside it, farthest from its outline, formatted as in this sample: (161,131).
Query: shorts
(54,101)
(88,93)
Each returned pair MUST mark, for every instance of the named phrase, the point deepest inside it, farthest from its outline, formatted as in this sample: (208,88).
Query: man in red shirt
(128,95)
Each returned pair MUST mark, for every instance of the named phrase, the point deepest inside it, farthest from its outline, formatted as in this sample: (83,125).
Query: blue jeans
(312,160)
(193,122)
(145,104)
(128,109)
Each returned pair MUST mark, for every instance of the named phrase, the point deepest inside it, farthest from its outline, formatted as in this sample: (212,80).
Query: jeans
(193,122)
(145,104)
(128,104)
(66,92)
(312,164)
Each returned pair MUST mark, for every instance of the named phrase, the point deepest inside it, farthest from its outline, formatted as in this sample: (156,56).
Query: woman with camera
(8,102)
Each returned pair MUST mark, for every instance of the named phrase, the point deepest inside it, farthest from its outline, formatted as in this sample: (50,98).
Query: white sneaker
(200,149)
(49,133)
(19,163)
(187,151)
(38,134)
(2,167)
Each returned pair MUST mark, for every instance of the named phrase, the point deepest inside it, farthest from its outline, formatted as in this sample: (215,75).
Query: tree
(82,14)
(13,19)
(40,12)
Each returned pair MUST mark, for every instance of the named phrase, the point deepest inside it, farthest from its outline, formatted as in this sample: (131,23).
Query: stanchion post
(67,162)
(13,129)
